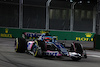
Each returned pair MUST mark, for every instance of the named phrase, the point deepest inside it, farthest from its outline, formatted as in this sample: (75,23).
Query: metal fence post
(72,16)
(94,19)
(47,14)
(20,14)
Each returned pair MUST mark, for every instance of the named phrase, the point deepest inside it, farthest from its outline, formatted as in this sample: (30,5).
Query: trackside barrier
(62,35)
(97,42)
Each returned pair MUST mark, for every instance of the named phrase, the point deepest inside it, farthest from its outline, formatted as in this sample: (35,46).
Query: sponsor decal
(87,37)
(88,34)
(6,30)
(44,32)
(52,53)
(6,34)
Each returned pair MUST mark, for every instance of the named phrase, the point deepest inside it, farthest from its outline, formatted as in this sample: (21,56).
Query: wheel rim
(35,50)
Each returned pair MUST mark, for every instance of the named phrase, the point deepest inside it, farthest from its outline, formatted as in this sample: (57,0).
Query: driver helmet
(47,39)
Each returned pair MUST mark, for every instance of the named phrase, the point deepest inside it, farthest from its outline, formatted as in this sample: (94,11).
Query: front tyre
(37,50)
(76,47)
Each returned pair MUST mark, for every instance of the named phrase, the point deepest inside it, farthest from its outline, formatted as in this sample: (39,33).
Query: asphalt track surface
(9,58)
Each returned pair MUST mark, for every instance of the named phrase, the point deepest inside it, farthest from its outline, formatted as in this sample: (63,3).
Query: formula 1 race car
(47,45)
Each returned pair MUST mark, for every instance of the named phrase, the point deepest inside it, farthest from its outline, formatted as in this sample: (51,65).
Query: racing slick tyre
(20,45)
(85,55)
(77,47)
(37,50)
(42,45)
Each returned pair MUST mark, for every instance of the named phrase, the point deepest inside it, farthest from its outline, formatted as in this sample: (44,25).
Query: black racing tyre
(20,45)
(85,56)
(72,48)
(42,45)
(78,48)
(37,50)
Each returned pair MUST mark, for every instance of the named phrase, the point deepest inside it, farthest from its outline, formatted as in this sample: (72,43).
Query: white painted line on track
(97,56)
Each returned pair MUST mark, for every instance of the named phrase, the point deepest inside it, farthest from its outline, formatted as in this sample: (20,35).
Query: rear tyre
(20,45)
(85,56)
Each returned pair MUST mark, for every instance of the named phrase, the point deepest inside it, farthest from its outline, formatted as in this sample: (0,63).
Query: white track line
(94,56)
